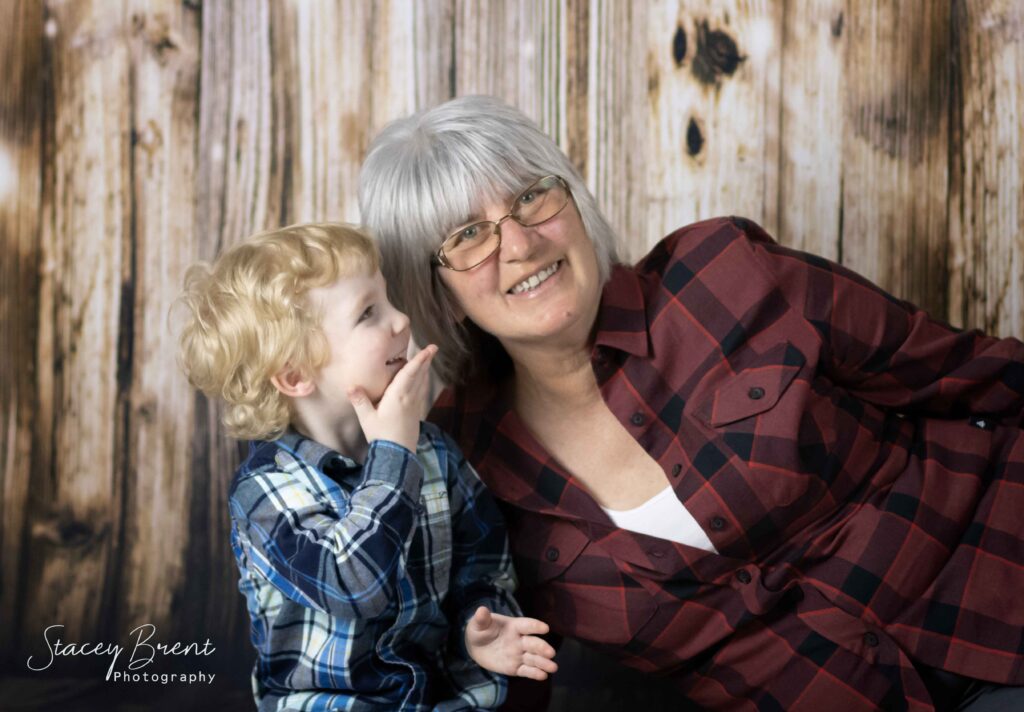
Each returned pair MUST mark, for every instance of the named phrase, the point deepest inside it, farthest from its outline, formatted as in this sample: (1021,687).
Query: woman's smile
(539,282)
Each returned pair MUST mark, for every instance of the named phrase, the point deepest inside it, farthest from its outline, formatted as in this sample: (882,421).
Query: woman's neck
(553,376)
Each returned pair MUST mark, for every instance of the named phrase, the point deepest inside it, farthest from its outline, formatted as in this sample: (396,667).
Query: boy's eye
(367,313)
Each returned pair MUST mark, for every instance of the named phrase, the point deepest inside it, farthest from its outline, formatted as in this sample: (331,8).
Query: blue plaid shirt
(359,579)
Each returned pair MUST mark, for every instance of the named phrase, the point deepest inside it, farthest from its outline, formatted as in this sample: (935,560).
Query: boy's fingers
(537,646)
(540,663)
(361,404)
(531,672)
(531,626)
(405,376)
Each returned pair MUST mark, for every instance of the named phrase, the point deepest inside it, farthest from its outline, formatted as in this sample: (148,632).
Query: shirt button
(637,419)
(551,554)
(756,393)
(870,640)
(743,576)
(657,553)
(717,523)
(676,469)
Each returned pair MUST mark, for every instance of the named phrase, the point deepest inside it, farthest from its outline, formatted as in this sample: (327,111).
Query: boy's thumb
(482,618)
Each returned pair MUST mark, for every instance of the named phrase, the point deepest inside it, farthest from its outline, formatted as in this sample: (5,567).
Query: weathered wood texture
(137,136)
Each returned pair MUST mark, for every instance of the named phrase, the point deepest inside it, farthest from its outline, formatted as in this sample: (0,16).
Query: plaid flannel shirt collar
(330,462)
(622,318)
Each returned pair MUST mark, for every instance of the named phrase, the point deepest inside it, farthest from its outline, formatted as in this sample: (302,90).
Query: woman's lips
(540,288)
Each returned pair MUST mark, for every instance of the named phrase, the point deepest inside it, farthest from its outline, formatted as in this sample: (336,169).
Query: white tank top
(665,517)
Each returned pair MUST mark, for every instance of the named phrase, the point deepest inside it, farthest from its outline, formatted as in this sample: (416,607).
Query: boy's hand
(509,646)
(397,415)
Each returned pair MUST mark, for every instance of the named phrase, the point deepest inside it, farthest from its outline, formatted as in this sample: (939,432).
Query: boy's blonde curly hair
(247,317)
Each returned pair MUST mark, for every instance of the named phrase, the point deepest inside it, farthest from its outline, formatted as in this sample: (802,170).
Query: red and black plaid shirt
(858,465)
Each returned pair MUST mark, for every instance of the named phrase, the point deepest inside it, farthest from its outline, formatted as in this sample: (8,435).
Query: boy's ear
(292,383)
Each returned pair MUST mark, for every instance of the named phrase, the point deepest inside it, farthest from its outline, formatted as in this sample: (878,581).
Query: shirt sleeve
(342,563)
(889,352)
(482,575)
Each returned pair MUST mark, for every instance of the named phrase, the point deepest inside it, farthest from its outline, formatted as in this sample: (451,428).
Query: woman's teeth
(533,282)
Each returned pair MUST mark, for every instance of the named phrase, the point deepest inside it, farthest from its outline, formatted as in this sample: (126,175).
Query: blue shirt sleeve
(344,563)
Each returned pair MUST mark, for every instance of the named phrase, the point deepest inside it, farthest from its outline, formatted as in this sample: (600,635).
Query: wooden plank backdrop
(138,136)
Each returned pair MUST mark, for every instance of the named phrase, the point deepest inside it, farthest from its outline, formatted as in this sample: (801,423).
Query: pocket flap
(543,551)
(755,389)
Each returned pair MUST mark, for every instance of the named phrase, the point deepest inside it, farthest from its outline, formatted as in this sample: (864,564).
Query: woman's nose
(517,242)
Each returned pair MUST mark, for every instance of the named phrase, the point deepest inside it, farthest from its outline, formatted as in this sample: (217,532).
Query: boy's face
(368,338)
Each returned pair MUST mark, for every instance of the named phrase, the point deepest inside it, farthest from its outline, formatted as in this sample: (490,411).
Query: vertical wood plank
(322,105)
(76,501)
(164,47)
(896,147)
(987,138)
(616,169)
(713,122)
(514,51)
(239,190)
(811,162)
(21,117)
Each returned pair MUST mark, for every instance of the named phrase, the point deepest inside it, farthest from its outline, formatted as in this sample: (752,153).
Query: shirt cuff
(394,465)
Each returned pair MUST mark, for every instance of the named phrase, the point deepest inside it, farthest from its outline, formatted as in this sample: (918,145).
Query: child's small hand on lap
(509,646)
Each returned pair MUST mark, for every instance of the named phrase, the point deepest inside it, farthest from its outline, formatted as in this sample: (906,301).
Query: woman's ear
(290,382)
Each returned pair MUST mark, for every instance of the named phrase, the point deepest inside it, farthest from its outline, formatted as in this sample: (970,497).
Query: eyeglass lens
(474,243)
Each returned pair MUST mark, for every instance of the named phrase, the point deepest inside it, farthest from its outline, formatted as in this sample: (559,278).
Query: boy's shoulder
(291,454)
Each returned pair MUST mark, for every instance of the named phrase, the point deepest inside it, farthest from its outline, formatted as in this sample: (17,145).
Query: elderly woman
(735,465)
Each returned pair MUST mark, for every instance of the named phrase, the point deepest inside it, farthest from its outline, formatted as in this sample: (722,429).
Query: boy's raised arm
(342,563)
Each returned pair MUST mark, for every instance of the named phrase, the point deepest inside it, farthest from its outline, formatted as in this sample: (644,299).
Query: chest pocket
(575,586)
(753,390)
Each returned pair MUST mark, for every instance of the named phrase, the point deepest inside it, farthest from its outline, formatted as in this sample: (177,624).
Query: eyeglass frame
(439,258)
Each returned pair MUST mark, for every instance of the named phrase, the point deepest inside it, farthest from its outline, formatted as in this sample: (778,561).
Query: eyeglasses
(471,245)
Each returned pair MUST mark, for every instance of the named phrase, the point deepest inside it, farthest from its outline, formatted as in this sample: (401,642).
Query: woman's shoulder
(697,243)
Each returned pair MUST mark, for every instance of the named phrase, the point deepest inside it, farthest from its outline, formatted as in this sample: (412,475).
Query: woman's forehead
(473,201)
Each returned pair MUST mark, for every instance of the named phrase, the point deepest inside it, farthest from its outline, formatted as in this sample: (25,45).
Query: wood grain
(896,147)
(713,114)
(21,119)
(152,556)
(75,513)
(136,137)
(986,212)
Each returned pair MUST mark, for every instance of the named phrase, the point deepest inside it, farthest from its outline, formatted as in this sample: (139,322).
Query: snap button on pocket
(717,523)
(551,554)
(754,389)
(637,419)
(743,576)
(870,639)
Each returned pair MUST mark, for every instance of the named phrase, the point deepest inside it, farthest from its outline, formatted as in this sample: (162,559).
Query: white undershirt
(665,517)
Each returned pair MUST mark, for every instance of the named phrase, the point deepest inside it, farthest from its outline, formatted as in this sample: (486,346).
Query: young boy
(374,563)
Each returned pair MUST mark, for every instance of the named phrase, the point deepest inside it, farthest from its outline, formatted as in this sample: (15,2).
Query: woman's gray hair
(424,175)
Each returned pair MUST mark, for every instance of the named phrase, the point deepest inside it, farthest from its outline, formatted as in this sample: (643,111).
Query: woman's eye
(367,313)
(469,233)
(528,197)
